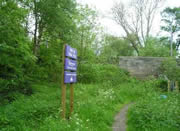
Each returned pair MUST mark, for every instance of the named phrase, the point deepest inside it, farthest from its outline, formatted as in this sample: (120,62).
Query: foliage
(95,103)
(156,48)
(32,34)
(54,25)
(49,64)
(95,106)
(85,36)
(171,69)
(49,20)
(114,47)
(70,20)
(170,17)
(98,73)
(16,55)
(136,19)
(153,112)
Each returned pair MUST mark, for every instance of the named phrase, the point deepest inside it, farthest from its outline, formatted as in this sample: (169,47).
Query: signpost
(70,64)
(69,76)
(71,52)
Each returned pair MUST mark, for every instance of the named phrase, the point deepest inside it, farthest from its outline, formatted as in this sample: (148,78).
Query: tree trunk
(35,47)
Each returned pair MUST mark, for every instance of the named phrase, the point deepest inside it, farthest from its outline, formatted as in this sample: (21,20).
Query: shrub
(97,73)
(153,112)
(16,58)
(170,68)
(15,69)
(156,48)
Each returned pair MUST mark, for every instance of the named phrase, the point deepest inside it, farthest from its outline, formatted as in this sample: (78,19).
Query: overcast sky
(104,9)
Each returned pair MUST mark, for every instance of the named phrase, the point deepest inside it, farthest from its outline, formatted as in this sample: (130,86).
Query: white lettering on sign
(71,74)
(71,64)
(71,52)
(71,79)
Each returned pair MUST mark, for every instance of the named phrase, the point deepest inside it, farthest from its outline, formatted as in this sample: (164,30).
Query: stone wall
(141,67)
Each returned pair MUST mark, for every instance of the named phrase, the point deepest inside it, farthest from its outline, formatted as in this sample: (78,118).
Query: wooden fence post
(71,98)
(63,88)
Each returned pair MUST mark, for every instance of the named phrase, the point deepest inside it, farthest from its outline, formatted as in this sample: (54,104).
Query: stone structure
(141,67)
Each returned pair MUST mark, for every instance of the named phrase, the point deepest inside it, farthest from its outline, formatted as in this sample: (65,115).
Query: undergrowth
(95,107)
(96,102)
(155,112)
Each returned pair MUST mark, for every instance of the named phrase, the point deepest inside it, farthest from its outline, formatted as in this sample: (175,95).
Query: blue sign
(70,77)
(71,52)
(70,64)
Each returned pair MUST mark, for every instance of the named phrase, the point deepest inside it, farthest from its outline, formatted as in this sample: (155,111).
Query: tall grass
(95,105)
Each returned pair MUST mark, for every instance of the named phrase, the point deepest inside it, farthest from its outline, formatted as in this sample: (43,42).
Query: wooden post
(177,87)
(63,87)
(168,85)
(71,98)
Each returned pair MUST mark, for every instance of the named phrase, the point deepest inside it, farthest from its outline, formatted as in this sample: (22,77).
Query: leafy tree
(87,27)
(52,20)
(156,47)
(51,24)
(115,47)
(16,55)
(170,16)
(171,19)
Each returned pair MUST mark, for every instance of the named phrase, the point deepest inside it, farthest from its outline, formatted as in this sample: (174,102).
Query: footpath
(120,119)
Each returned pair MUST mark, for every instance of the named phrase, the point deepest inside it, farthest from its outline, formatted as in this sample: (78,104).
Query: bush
(170,68)
(16,58)
(156,48)
(153,112)
(94,107)
(97,73)
(49,64)
(15,69)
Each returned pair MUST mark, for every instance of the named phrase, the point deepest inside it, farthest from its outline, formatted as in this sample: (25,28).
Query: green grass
(94,107)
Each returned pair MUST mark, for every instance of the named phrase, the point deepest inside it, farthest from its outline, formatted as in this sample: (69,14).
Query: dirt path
(120,119)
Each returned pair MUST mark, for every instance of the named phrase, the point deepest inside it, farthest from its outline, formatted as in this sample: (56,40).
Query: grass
(94,107)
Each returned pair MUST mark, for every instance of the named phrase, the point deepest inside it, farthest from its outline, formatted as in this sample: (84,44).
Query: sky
(104,10)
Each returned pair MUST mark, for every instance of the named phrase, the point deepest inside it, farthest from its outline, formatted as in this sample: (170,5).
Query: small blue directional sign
(69,77)
(71,52)
(70,64)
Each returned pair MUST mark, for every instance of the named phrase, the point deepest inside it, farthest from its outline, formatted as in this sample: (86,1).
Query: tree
(50,24)
(51,20)
(156,47)
(86,32)
(32,34)
(114,47)
(16,55)
(136,20)
(171,19)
